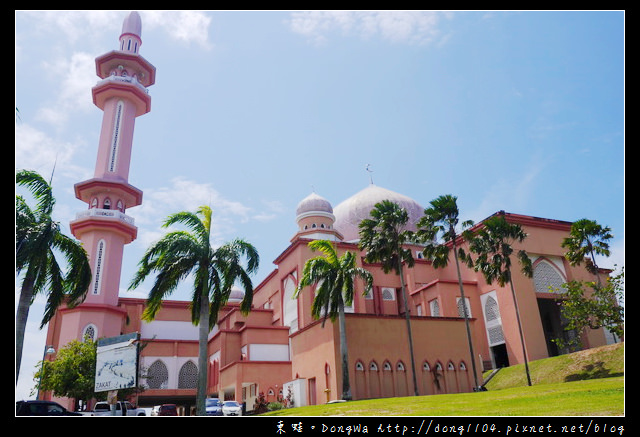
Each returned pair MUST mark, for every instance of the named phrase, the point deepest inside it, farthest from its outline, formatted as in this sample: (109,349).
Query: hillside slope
(600,362)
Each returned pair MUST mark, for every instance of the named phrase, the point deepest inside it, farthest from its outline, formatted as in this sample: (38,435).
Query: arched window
(106,204)
(359,366)
(491,309)
(434,306)
(157,375)
(400,366)
(89,333)
(388,294)
(373,366)
(290,304)
(386,365)
(188,377)
(493,321)
(546,277)
(462,305)
(94,202)
(426,367)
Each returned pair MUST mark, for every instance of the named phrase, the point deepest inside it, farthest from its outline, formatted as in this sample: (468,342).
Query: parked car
(168,410)
(231,408)
(213,406)
(104,409)
(42,408)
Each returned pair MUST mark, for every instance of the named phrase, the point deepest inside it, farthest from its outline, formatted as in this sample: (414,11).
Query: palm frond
(39,188)
(78,278)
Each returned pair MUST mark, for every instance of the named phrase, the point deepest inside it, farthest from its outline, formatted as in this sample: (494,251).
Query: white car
(231,408)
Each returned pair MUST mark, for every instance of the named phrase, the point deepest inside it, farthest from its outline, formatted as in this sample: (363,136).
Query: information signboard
(117,363)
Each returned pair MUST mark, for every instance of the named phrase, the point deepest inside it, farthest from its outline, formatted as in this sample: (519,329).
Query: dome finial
(368,169)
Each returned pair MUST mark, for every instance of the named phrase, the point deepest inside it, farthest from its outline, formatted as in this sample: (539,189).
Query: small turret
(314,216)
(130,40)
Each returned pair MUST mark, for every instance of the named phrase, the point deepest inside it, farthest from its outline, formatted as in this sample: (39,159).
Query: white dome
(236,295)
(352,211)
(314,205)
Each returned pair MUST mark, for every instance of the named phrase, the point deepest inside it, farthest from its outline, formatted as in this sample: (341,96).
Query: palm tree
(493,245)
(334,277)
(38,237)
(586,239)
(382,237)
(441,218)
(181,253)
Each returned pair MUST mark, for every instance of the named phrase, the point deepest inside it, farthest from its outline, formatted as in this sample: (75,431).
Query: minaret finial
(132,24)
(131,36)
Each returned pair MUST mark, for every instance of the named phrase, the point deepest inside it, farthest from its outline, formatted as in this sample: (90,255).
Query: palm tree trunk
(524,349)
(595,266)
(22,314)
(203,341)
(466,320)
(406,314)
(346,384)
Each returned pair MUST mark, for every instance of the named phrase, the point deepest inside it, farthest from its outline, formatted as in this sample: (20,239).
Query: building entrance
(500,355)
(553,327)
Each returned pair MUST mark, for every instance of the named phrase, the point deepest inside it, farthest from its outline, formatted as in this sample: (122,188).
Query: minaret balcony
(144,70)
(107,89)
(125,79)
(107,213)
(98,219)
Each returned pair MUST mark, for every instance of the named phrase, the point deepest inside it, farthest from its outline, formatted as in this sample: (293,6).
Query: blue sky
(521,111)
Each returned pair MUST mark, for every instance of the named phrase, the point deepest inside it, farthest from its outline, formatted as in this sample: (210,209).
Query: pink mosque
(278,350)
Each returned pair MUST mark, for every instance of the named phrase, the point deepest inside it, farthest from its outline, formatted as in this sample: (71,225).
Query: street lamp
(47,351)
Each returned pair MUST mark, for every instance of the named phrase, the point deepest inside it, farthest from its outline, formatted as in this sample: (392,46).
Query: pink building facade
(278,350)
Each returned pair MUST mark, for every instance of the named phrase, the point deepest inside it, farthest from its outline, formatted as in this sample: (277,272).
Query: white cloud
(76,25)
(34,150)
(272,210)
(412,27)
(184,26)
(75,77)
(186,195)
(510,194)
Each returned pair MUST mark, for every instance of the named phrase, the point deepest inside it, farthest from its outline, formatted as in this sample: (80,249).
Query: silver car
(213,406)
(231,408)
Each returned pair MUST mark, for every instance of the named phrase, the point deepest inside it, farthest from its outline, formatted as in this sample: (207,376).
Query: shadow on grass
(592,371)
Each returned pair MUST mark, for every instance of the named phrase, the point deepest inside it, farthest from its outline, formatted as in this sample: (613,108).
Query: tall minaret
(104,228)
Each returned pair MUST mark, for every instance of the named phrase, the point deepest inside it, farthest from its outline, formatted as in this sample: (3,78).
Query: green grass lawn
(595,397)
(588,383)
